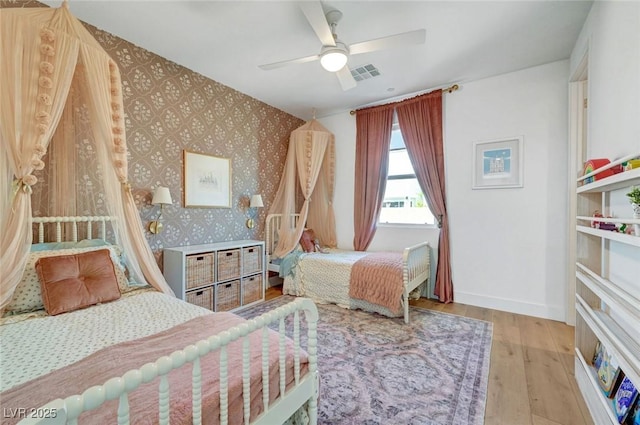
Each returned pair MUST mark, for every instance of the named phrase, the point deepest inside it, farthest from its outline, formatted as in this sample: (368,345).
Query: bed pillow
(72,282)
(84,243)
(307,240)
(131,283)
(28,297)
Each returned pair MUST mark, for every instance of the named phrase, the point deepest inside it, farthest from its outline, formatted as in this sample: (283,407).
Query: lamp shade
(333,60)
(161,196)
(256,201)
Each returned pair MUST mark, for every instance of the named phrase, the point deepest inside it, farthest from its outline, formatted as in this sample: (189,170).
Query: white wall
(508,248)
(509,245)
(611,37)
(611,34)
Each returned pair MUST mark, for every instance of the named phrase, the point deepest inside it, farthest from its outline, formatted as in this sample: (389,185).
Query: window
(404,202)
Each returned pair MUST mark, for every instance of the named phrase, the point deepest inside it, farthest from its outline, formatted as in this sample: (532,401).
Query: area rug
(377,370)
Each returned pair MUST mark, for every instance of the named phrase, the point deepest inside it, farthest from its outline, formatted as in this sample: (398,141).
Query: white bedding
(32,345)
(324,277)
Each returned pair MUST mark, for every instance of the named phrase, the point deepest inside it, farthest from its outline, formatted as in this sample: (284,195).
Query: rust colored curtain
(420,122)
(373,136)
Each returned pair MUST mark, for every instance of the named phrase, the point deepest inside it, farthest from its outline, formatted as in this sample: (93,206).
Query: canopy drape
(47,54)
(309,169)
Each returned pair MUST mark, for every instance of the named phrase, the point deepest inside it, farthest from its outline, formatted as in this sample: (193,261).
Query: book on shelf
(624,398)
(597,356)
(608,372)
(633,418)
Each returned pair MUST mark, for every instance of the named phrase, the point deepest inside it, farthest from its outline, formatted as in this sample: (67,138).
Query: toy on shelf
(603,225)
(631,164)
(593,164)
(596,224)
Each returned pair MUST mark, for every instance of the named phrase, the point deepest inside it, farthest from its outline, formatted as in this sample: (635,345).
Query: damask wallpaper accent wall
(170,108)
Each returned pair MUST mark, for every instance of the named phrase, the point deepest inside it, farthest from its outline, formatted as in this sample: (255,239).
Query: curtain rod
(450,89)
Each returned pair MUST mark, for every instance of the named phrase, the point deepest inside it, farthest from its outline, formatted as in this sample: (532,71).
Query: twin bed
(149,358)
(146,357)
(330,276)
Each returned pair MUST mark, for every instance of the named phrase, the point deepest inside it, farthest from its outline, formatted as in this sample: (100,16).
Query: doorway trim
(578,136)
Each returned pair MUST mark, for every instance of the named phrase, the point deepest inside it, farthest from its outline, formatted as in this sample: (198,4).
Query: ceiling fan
(334,54)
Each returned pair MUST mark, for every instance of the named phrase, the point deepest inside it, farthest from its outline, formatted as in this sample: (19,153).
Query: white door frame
(578,134)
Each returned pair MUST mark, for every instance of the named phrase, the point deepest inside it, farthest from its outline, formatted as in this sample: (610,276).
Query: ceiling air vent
(364,72)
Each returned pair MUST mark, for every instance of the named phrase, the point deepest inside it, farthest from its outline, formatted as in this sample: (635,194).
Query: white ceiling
(227,40)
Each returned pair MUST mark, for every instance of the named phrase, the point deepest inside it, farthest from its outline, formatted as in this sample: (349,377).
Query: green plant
(634,195)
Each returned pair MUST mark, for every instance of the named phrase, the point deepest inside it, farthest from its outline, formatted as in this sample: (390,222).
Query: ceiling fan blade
(270,66)
(397,40)
(346,79)
(315,15)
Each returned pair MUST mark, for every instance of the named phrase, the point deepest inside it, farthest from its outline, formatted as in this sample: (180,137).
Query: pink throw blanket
(377,278)
(118,359)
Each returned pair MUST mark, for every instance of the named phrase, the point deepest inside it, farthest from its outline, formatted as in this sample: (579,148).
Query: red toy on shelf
(593,164)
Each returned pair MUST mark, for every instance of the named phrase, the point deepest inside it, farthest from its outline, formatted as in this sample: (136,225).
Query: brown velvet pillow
(72,282)
(307,240)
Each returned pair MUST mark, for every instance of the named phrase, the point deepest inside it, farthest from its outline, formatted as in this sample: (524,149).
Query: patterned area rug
(377,370)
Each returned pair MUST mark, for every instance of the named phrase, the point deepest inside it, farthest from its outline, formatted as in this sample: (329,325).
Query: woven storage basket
(228,264)
(200,269)
(251,259)
(227,295)
(251,289)
(203,298)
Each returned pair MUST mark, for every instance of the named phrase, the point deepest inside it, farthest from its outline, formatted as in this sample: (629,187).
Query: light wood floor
(531,378)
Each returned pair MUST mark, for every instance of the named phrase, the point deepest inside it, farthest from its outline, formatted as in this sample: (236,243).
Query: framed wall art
(498,164)
(207,181)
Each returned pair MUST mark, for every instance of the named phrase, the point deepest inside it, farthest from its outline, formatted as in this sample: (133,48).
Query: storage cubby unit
(607,286)
(220,276)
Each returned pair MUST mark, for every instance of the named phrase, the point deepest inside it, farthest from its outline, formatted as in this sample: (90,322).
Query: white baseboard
(552,312)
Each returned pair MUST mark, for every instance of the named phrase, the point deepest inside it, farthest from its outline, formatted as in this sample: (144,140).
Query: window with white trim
(404,202)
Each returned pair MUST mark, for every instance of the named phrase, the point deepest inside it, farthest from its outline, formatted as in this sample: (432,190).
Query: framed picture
(497,164)
(207,180)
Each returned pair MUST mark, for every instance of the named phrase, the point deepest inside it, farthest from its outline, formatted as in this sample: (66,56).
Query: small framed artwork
(497,164)
(207,180)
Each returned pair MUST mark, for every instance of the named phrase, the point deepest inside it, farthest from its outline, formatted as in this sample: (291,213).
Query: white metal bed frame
(58,221)
(305,390)
(415,259)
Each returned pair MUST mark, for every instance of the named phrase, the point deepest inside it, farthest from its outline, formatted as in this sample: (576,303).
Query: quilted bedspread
(325,278)
(377,278)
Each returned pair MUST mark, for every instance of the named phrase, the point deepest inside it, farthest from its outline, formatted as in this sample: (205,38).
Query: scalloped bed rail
(305,390)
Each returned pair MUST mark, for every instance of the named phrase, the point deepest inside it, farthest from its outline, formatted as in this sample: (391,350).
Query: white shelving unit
(607,309)
(218,276)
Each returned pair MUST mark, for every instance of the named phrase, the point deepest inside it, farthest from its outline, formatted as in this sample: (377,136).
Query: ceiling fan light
(333,60)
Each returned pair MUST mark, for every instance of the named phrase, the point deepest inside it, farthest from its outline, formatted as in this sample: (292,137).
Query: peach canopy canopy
(311,158)
(51,70)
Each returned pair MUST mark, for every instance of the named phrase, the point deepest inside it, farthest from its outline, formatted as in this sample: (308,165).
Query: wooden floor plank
(479,313)
(507,395)
(454,308)
(564,339)
(505,327)
(537,420)
(550,393)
